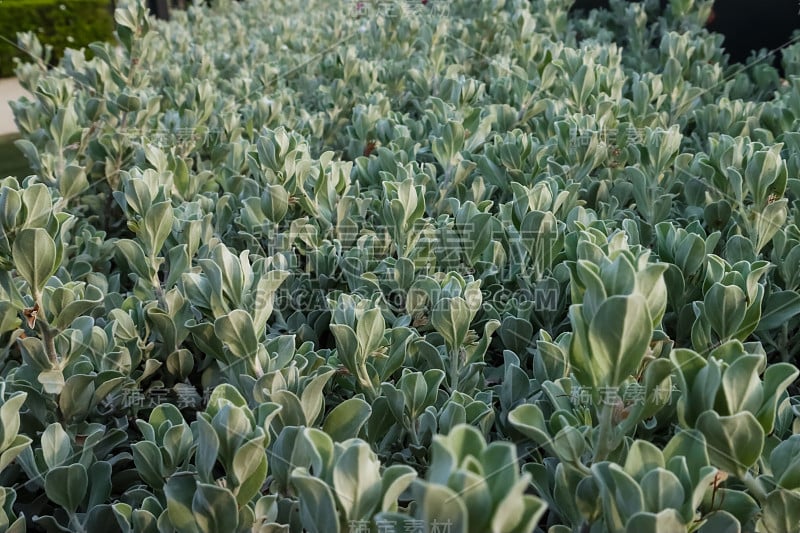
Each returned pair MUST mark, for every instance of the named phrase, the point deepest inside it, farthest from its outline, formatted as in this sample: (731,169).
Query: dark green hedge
(54,22)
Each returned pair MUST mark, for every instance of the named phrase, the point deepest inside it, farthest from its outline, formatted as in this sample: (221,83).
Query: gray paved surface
(10,89)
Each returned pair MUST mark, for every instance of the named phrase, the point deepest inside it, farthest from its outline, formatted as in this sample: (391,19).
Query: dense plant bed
(403,267)
(59,24)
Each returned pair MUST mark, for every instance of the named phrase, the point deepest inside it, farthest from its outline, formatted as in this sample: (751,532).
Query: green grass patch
(58,23)
(12,162)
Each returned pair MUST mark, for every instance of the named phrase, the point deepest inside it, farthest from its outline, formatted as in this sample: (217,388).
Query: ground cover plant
(456,267)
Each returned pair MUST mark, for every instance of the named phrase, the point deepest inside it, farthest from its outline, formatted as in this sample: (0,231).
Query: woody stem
(47,333)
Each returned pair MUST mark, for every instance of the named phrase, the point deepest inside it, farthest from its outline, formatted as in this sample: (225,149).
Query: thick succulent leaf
(34,255)
(66,485)
(619,335)
(214,509)
(734,442)
(318,511)
(357,481)
(346,419)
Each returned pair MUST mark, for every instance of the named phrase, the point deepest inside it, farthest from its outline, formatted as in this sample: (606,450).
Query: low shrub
(466,267)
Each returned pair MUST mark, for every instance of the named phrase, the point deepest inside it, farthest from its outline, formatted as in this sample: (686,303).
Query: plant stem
(755,488)
(159,290)
(454,369)
(412,429)
(74,523)
(47,333)
(784,342)
(49,342)
(604,437)
(366,383)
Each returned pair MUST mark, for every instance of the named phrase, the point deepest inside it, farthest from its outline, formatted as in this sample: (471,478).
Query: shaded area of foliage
(12,162)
